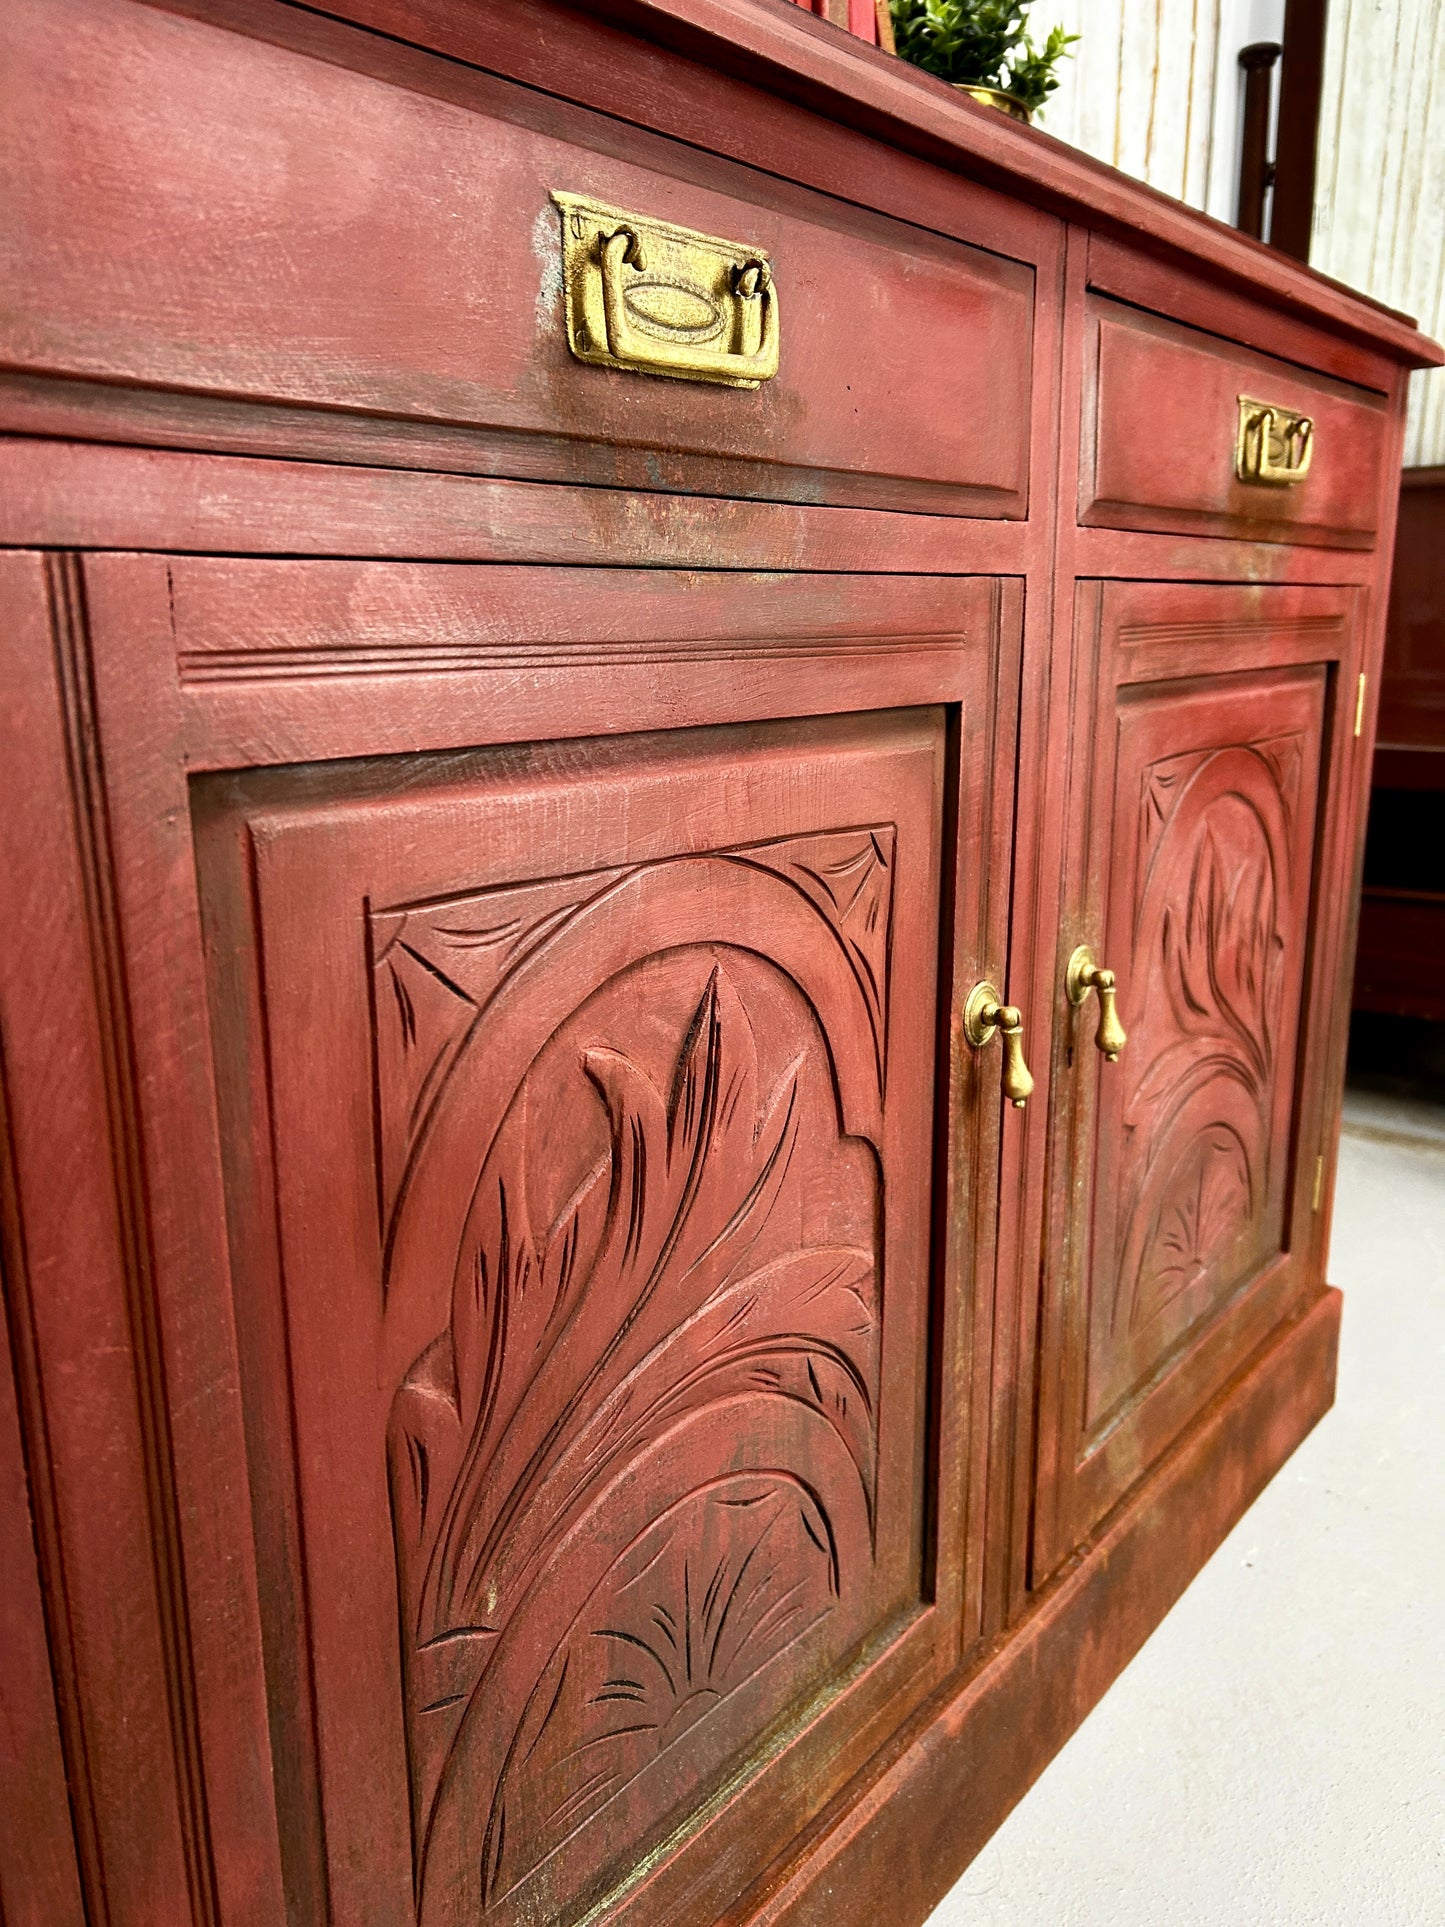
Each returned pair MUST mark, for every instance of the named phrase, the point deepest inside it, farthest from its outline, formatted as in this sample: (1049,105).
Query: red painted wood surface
(1203,823)
(547,1384)
(156,618)
(856,16)
(37,1843)
(1160,420)
(603,1421)
(349,279)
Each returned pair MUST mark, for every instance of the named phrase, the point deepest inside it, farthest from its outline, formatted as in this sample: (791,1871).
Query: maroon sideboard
(685,747)
(1400,963)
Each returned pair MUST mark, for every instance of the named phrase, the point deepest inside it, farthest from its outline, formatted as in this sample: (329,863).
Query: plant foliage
(980,43)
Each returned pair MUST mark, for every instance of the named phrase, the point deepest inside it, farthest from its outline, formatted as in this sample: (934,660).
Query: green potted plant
(982,47)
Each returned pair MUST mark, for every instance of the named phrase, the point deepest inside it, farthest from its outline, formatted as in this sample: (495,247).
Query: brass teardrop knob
(1083,975)
(986,1016)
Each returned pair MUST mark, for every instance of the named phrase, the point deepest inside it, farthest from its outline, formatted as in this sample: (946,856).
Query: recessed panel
(1214,829)
(600,1152)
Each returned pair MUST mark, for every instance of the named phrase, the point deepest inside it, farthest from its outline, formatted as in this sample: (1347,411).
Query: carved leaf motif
(849,876)
(1202,1207)
(436,967)
(1206,988)
(725,1582)
(663,1287)
(421,1021)
(1221,956)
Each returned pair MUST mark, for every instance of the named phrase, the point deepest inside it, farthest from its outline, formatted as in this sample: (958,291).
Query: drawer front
(195,210)
(1163,406)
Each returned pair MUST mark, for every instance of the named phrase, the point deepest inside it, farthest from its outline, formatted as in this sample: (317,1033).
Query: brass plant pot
(1009,104)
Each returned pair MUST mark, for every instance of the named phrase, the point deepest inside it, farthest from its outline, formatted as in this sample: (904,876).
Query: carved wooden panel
(1187,1174)
(601,1174)
(1209,913)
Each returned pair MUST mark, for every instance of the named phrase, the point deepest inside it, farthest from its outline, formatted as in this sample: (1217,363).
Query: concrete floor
(1275,1756)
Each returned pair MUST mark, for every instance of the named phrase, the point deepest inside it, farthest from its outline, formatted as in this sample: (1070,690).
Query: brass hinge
(1360,703)
(1319,1181)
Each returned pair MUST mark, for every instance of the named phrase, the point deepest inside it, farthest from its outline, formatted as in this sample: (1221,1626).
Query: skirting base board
(890,1849)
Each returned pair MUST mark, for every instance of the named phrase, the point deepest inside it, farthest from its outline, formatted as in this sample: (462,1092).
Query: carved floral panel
(1209,907)
(580,1181)
(634,1477)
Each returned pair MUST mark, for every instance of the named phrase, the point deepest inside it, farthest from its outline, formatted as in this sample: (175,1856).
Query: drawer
(1165,410)
(192,210)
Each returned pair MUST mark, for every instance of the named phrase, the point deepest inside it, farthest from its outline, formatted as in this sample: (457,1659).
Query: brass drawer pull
(1081,976)
(664,300)
(986,1016)
(1272,445)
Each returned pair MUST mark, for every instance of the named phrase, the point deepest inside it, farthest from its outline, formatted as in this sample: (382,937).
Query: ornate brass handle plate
(986,1016)
(1272,445)
(664,300)
(1081,975)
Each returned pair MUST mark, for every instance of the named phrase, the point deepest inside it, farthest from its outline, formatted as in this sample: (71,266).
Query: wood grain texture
(911,1826)
(1198,828)
(671,1126)
(76,1299)
(511,655)
(548,1384)
(784,53)
(91,496)
(1160,420)
(1187,292)
(39,1869)
(874,401)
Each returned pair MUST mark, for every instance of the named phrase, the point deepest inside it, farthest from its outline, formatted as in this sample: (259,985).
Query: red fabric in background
(858,16)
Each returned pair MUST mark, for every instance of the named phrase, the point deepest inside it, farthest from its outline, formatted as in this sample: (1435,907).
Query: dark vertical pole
(1255,171)
(1301,81)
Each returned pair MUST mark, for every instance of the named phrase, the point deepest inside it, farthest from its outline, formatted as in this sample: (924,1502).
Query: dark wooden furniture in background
(1256,169)
(1296,140)
(1278,151)
(1400,965)
(542,1379)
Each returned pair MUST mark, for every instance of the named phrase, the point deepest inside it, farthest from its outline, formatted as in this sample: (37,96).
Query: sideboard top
(788,52)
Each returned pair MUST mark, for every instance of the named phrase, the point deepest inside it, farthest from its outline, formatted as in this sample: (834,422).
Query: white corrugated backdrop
(1154,87)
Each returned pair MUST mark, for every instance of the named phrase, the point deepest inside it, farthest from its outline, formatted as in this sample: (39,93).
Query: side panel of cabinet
(606,1198)
(124,1493)
(39,1875)
(1205,821)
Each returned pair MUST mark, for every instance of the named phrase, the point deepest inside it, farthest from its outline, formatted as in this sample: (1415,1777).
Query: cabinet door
(1205,816)
(581,1116)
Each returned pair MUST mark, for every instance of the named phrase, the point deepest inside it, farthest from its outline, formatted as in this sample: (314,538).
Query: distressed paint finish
(1183,1206)
(532,1395)
(875,402)
(641,1470)
(1159,386)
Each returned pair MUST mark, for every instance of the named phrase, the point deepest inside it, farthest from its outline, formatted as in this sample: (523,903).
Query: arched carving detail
(649,1417)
